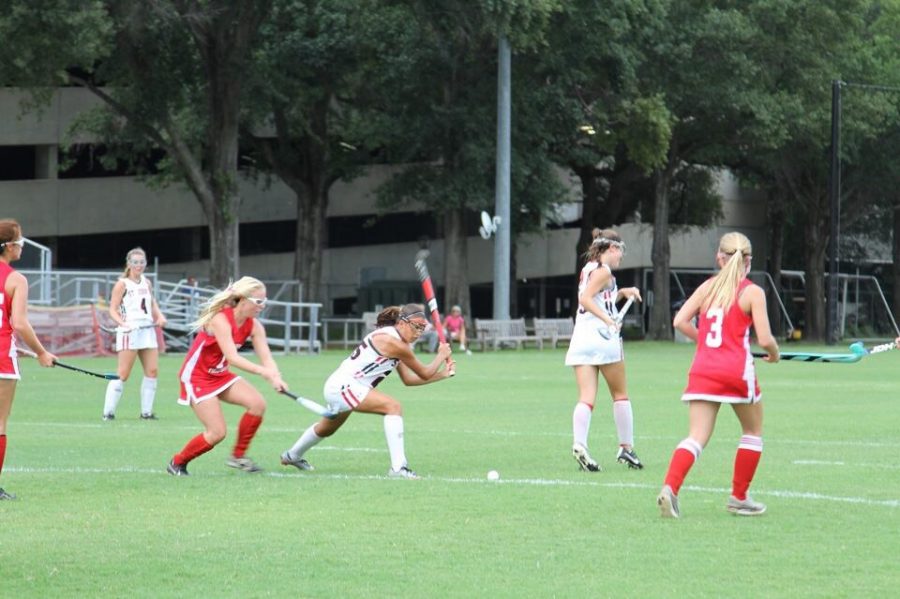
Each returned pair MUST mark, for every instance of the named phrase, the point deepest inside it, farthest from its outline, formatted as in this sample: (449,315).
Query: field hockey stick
(859,349)
(310,405)
(606,333)
(428,290)
(815,357)
(109,376)
(621,315)
(122,330)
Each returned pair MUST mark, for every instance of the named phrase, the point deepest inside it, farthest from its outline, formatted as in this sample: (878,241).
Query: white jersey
(593,342)
(348,386)
(137,302)
(605,298)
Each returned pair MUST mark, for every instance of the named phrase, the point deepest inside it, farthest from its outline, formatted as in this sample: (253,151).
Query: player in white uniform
(137,315)
(596,348)
(351,388)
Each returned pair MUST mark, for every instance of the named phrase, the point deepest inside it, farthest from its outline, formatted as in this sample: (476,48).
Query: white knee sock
(113,395)
(393,432)
(148,394)
(624,418)
(308,439)
(581,422)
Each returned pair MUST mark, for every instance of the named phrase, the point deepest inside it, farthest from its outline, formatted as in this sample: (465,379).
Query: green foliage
(437,111)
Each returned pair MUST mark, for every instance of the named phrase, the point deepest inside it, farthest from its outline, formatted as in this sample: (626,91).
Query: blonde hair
(230,296)
(131,252)
(394,314)
(722,291)
(602,242)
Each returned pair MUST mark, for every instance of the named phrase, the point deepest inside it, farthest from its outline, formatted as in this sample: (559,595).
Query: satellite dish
(488,225)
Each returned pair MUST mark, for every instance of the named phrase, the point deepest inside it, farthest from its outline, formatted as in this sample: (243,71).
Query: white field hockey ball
(493,475)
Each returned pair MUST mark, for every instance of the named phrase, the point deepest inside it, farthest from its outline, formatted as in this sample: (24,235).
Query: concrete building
(91,216)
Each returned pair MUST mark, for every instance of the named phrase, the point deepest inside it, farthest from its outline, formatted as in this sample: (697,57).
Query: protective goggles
(259,301)
(19,242)
(613,243)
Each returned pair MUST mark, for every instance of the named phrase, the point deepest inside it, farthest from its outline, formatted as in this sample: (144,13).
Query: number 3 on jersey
(714,336)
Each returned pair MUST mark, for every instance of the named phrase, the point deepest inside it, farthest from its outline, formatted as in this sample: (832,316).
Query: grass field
(97,514)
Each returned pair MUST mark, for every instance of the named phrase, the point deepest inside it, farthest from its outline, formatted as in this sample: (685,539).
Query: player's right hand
(444,351)
(46,359)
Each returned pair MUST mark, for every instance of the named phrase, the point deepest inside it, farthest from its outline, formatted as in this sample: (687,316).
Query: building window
(18,163)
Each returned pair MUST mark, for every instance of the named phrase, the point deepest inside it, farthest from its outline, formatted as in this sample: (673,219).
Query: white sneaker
(668,503)
(299,464)
(745,507)
(243,464)
(584,459)
(403,472)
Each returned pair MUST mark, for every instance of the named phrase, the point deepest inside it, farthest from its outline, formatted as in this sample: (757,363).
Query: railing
(290,325)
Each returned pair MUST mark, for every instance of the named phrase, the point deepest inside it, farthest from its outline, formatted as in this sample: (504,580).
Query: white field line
(850,464)
(539,482)
(674,439)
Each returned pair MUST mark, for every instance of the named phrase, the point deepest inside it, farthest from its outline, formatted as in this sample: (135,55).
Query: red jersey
(205,373)
(722,369)
(9,367)
(454,324)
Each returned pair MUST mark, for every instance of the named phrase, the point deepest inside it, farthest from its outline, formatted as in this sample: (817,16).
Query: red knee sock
(2,451)
(745,462)
(194,448)
(246,429)
(683,459)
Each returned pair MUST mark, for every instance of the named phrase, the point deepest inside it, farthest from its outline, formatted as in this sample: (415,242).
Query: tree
(169,72)
(596,121)
(308,83)
(438,113)
(802,46)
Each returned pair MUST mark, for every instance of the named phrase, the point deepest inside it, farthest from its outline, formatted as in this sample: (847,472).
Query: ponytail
(229,296)
(723,291)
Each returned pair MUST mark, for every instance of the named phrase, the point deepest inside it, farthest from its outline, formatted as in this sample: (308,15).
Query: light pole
(834,201)
(503,240)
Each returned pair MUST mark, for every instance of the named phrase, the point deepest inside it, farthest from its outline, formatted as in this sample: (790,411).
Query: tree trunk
(589,199)
(456,262)
(312,204)
(815,230)
(776,217)
(223,244)
(660,327)
(895,267)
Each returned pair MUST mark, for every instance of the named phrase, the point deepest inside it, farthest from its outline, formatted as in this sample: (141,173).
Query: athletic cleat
(4,496)
(177,469)
(629,458)
(668,503)
(584,459)
(150,416)
(299,464)
(745,507)
(244,464)
(109,416)
(404,472)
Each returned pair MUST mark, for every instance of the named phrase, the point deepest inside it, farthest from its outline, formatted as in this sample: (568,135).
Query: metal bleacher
(291,326)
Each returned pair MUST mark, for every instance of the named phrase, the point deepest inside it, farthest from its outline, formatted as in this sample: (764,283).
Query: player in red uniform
(722,372)
(13,319)
(225,323)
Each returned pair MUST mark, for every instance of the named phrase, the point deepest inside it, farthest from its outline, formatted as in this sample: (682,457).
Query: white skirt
(136,339)
(589,347)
